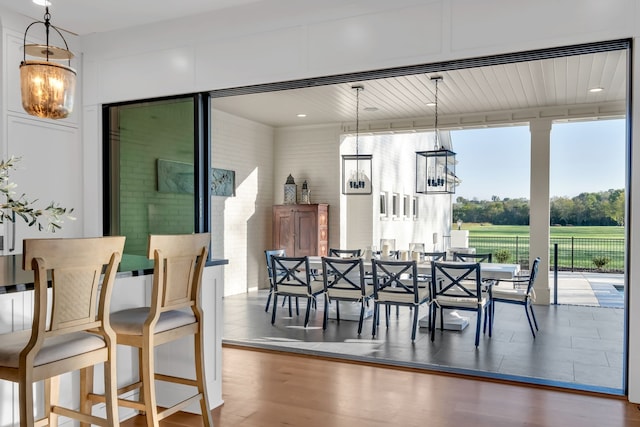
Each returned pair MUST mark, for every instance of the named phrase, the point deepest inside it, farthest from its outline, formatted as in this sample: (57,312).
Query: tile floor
(578,347)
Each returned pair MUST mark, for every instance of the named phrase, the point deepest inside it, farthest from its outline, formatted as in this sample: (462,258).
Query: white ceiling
(541,84)
(83,17)
(533,85)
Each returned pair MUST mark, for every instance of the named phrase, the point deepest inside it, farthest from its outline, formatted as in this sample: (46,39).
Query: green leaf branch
(49,218)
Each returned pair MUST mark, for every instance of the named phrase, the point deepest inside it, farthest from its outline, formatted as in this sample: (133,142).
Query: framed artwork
(223,182)
(175,177)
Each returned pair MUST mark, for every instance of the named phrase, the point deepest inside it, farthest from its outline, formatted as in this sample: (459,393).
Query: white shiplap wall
(313,154)
(241,225)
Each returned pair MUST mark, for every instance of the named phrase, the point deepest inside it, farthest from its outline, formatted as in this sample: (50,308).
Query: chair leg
(290,313)
(266,307)
(111,390)
(297,307)
(415,323)
(478,323)
(306,316)
(86,387)
(148,385)
(325,318)
(433,314)
(201,384)
(361,318)
(535,322)
(275,305)
(338,310)
(51,397)
(25,392)
(529,320)
(375,318)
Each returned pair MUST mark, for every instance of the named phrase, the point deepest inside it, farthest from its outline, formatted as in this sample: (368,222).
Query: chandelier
(436,169)
(356,169)
(47,87)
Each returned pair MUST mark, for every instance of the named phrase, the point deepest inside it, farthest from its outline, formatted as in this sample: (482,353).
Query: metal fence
(574,253)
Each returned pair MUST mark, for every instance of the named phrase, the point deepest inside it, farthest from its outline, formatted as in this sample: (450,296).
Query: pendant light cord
(437,143)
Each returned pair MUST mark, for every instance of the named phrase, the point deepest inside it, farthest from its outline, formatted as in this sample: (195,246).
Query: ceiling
(539,84)
(83,17)
(533,85)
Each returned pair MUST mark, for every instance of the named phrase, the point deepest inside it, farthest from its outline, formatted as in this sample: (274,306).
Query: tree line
(603,208)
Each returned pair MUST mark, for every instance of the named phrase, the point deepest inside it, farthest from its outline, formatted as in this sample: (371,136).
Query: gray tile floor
(577,347)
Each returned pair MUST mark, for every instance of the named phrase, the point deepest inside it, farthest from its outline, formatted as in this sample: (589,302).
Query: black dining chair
(344,280)
(345,253)
(396,283)
(464,257)
(519,295)
(268,254)
(292,278)
(460,288)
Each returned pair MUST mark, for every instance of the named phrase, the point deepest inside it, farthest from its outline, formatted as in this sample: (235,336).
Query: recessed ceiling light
(596,89)
(431,104)
(42,2)
(371,109)
(301,115)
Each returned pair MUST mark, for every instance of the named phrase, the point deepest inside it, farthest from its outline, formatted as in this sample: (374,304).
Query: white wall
(394,172)
(311,153)
(291,39)
(241,225)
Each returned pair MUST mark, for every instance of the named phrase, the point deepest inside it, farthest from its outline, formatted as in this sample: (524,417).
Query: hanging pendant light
(47,87)
(356,169)
(436,169)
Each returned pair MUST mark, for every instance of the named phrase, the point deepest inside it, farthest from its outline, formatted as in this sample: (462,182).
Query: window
(406,206)
(155,170)
(395,205)
(414,207)
(383,204)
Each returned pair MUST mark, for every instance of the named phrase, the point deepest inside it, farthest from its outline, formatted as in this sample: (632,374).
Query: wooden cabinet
(301,230)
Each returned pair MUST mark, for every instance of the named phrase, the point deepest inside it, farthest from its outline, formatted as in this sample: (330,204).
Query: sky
(585,157)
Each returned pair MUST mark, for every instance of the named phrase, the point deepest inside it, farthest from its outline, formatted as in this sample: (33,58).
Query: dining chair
(396,283)
(459,287)
(70,329)
(268,254)
(344,253)
(518,295)
(465,257)
(434,256)
(292,278)
(344,280)
(174,312)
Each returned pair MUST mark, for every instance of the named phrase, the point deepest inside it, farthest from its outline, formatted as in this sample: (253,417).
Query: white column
(540,205)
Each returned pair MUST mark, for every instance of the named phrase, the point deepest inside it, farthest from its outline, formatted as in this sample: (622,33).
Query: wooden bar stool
(174,312)
(74,336)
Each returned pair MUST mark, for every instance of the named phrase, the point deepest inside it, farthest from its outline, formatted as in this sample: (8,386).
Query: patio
(579,345)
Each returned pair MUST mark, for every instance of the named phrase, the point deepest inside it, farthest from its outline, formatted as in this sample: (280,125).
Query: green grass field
(578,247)
(556,231)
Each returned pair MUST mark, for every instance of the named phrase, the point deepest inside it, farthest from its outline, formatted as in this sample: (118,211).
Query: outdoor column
(540,205)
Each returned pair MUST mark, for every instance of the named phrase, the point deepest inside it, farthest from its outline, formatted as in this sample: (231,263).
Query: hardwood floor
(263,389)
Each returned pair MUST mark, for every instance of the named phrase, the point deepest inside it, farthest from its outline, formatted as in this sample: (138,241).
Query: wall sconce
(48,88)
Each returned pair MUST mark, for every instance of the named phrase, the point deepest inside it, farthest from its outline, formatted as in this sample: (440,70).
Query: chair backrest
(533,274)
(395,276)
(456,280)
(74,267)
(345,253)
(290,271)
(435,256)
(464,257)
(344,274)
(268,254)
(177,274)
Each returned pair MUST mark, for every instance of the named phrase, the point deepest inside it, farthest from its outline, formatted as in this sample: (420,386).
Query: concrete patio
(589,288)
